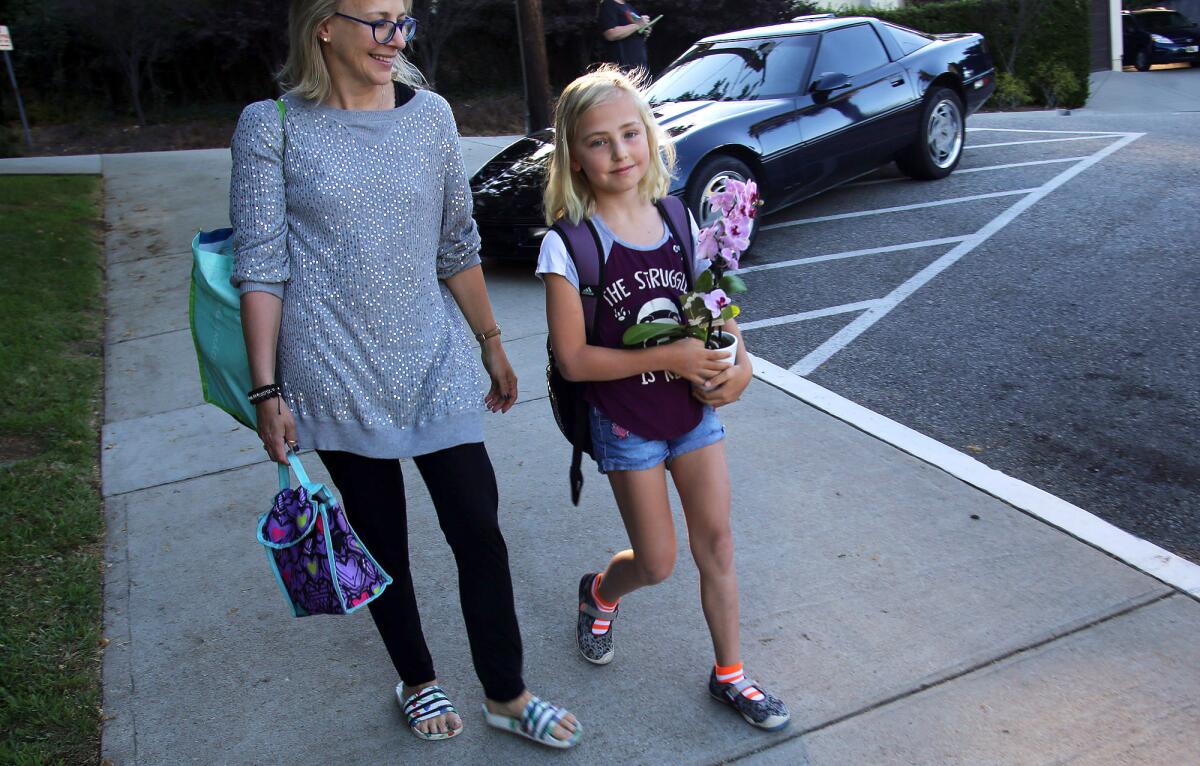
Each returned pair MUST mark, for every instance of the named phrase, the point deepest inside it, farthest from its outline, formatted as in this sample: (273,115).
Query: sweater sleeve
(458,248)
(257,202)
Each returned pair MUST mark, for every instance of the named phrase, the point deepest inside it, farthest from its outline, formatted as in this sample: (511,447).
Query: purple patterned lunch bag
(321,565)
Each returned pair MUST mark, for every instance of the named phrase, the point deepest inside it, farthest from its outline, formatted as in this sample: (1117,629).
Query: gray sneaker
(768,713)
(596,649)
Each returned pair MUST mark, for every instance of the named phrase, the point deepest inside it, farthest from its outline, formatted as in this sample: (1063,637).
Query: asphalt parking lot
(1037,309)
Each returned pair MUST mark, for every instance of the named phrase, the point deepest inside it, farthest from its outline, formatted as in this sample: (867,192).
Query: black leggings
(463,487)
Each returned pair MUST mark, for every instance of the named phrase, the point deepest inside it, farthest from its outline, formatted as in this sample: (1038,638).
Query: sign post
(6,46)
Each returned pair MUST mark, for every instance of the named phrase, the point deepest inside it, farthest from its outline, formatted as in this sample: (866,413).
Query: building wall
(1101,41)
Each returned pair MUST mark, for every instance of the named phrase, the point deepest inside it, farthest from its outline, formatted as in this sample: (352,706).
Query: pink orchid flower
(715,301)
(730,256)
(707,245)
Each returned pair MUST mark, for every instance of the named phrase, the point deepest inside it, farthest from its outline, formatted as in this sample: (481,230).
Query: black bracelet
(264,393)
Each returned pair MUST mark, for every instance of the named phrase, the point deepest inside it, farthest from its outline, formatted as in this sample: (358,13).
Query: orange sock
(600,627)
(731,674)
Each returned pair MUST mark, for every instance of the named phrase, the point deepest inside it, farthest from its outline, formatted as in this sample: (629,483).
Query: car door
(858,125)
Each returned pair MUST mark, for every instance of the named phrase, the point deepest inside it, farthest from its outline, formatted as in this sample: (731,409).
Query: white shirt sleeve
(554,259)
(701,263)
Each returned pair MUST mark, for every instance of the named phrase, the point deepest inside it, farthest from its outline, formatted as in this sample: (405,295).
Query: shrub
(1027,38)
(1011,91)
(1059,85)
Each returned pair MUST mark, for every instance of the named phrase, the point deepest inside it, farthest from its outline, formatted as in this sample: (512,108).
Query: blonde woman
(651,409)
(357,259)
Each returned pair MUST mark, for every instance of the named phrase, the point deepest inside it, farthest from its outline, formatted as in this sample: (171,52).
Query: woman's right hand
(276,428)
(688,358)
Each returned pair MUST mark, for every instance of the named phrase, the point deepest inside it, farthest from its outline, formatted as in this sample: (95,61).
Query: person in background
(624,31)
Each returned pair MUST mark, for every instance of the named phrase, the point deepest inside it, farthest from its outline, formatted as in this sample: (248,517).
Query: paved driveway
(1036,309)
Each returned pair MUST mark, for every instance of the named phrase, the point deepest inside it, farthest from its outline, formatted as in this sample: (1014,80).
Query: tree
(1017,18)
(440,21)
(136,33)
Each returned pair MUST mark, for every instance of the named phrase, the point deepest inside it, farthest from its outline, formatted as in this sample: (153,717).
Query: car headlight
(1162,40)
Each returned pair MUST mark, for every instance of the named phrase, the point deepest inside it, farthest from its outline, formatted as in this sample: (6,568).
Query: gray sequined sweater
(354,223)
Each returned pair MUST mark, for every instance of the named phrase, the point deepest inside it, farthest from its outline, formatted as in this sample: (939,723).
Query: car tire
(709,176)
(1141,61)
(939,145)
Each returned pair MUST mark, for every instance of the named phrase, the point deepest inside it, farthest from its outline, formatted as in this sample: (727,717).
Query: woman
(354,240)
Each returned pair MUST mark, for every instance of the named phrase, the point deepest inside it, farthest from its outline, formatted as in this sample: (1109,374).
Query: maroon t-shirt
(643,286)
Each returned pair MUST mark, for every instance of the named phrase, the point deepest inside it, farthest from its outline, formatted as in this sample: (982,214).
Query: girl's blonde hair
(304,73)
(567,193)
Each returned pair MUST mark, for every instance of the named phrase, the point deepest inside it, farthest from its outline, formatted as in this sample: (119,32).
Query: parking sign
(5,40)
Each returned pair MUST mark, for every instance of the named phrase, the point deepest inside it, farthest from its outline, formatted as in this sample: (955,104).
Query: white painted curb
(1142,555)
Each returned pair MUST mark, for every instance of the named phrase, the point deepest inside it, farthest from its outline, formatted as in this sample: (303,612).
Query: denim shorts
(617,449)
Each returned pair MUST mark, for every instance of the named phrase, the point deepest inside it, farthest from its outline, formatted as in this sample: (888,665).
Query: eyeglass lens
(384,30)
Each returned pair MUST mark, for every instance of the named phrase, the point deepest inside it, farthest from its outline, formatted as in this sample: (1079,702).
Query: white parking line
(859,325)
(1075,521)
(1064,132)
(850,254)
(1031,164)
(1043,141)
(897,209)
(845,308)
(960,171)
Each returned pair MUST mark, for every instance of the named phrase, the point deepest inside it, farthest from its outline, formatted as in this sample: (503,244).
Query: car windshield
(1163,20)
(742,70)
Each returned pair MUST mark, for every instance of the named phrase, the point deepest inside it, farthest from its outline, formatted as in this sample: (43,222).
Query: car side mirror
(831,81)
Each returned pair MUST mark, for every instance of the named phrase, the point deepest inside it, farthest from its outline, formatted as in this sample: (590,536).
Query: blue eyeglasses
(383,30)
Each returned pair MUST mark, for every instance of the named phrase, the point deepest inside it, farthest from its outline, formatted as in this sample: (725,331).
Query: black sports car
(798,107)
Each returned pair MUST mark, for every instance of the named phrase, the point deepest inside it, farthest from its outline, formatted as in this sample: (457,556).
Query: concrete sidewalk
(905,616)
(1166,89)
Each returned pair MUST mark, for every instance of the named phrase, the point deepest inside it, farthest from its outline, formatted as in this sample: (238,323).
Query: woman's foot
(528,716)
(419,701)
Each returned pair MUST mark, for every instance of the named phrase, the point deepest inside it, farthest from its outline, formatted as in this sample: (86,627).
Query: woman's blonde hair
(304,73)
(567,193)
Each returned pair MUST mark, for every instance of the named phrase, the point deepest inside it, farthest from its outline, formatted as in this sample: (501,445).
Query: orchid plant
(708,305)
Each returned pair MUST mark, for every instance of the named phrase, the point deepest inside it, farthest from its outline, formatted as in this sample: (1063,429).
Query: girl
(652,409)
(358,263)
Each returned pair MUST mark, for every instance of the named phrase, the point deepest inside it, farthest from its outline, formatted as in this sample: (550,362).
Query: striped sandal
(427,703)
(537,722)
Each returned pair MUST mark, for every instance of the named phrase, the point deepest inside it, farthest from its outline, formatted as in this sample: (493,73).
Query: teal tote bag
(215,314)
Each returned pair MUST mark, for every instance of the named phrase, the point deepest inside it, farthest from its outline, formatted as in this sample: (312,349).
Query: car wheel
(709,178)
(939,146)
(1141,62)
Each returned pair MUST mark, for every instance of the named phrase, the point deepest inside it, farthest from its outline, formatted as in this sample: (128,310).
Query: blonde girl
(651,409)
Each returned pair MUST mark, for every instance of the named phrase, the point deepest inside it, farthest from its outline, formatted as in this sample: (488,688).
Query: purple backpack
(321,565)
(583,245)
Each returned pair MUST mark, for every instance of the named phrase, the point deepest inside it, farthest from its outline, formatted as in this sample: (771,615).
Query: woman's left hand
(725,387)
(503,394)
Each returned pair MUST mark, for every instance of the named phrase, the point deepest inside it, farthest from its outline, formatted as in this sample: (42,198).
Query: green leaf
(640,333)
(729,312)
(704,282)
(732,284)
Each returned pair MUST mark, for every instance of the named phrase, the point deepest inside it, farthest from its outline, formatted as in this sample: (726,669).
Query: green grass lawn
(51,523)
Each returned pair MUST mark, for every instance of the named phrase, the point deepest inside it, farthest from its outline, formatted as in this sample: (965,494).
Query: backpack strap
(675,213)
(281,107)
(587,253)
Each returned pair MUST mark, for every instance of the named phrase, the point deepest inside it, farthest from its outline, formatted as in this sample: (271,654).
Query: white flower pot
(727,342)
